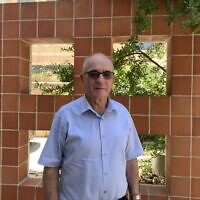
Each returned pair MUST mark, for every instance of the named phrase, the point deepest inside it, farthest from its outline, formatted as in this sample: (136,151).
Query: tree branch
(145,55)
(153,61)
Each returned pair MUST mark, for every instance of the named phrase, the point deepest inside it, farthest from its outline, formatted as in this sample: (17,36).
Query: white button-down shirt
(91,150)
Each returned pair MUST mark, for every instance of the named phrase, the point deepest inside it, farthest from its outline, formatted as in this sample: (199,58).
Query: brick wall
(93,25)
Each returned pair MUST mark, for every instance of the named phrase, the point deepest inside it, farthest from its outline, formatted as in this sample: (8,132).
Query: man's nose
(100,77)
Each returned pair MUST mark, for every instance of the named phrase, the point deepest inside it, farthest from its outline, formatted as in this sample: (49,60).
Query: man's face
(98,86)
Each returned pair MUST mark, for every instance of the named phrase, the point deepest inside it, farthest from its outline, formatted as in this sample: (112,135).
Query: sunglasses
(94,74)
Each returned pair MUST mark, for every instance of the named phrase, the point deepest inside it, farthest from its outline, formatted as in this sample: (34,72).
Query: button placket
(104,156)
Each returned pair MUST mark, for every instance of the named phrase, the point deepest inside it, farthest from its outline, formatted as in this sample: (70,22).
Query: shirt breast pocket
(120,145)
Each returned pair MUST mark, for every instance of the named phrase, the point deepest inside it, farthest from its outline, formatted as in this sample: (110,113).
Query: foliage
(137,68)
(60,74)
(142,16)
(138,71)
(64,73)
(189,9)
(145,170)
(155,144)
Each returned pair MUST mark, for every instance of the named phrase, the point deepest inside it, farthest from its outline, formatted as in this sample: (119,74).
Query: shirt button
(104,191)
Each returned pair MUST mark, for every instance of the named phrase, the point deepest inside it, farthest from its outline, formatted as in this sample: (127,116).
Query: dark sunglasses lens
(93,74)
(107,74)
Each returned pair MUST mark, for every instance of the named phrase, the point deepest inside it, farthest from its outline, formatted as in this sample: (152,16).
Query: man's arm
(132,175)
(51,183)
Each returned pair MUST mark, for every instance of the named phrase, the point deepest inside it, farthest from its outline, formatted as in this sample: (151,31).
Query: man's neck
(98,105)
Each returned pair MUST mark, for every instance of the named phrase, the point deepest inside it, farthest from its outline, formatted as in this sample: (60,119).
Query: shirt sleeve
(52,153)
(134,148)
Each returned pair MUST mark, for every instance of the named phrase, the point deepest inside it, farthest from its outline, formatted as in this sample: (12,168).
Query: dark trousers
(123,198)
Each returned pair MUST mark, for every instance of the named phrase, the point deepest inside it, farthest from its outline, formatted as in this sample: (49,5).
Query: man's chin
(101,97)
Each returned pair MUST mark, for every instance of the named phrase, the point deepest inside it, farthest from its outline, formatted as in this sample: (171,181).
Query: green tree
(138,70)
(64,75)
(189,10)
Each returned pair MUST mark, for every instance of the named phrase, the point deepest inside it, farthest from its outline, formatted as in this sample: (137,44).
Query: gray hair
(87,61)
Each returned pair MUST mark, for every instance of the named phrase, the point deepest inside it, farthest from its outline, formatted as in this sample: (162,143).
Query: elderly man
(93,143)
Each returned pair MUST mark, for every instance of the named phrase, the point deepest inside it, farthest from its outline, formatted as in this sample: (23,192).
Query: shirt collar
(85,105)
